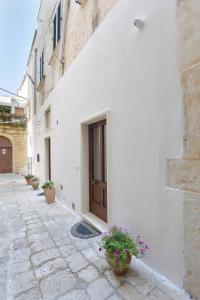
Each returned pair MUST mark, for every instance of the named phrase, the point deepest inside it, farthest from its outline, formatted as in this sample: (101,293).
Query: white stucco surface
(132,77)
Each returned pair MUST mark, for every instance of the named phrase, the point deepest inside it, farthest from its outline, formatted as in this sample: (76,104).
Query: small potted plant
(28,178)
(119,248)
(49,191)
(35,183)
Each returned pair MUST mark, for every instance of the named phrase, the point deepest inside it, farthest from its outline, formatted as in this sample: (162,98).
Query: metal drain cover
(83,230)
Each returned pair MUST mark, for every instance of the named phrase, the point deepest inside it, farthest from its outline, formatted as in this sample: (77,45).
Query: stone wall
(17,136)
(78,24)
(184,173)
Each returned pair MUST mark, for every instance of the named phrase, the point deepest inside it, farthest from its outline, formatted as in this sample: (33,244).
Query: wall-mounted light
(78,2)
(139,23)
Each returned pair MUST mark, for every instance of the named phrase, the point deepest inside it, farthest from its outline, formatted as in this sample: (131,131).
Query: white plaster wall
(133,74)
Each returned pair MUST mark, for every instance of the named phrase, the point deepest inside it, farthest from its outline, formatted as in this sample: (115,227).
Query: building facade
(106,121)
(12,136)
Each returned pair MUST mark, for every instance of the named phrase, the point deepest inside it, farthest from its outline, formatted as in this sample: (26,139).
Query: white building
(106,115)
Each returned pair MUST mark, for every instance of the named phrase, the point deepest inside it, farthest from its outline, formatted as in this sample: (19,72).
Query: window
(57,26)
(42,76)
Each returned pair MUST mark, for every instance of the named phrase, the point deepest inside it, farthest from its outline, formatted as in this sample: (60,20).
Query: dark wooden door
(49,146)
(5,155)
(98,169)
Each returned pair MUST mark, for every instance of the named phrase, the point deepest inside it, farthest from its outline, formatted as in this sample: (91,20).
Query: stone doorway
(5,155)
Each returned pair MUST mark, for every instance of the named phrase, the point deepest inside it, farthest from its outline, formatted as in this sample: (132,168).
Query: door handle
(94,182)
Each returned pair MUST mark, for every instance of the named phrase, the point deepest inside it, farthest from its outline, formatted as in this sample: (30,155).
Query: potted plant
(35,183)
(119,248)
(49,191)
(28,178)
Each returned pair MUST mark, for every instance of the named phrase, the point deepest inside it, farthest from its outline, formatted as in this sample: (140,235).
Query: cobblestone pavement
(39,259)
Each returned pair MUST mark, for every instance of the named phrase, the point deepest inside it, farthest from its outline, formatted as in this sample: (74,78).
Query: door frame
(84,168)
(103,183)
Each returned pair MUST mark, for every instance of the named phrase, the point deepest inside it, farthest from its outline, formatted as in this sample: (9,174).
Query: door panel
(98,169)
(5,155)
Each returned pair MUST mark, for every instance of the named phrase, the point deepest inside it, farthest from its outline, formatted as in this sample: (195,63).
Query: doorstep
(95,222)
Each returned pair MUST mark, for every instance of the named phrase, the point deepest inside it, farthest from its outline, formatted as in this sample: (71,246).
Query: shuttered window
(57,26)
(54,32)
(42,76)
(59,22)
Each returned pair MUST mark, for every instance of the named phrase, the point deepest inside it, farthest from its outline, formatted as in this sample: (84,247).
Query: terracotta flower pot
(35,185)
(118,267)
(50,195)
(29,181)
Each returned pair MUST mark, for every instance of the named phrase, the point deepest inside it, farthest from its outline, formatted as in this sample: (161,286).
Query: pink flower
(117,252)
(100,249)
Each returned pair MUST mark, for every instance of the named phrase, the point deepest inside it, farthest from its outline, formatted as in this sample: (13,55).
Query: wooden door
(49,158)
(5,155)
(98,169)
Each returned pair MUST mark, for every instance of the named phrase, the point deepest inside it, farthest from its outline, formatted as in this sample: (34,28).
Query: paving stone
(50,267)
(76,262)
(76,295)
(59,235)
(33,294)
(29,217)
(21,255)
(4,251)
(20,267)
(128,292)
(41,257)
(19,244)
(100,289)
(57,285)
(80,243)
(3,288)
(142,285)
(36,230)
(33,221)
(157,294)
(67,250)
(19,235)
(115,297)
(90,254)
(102,265)
(38,237)
(34,225)
(3,270)
(42,245)
(23,282)
(88,274)
(4,259)
(64,242)
(115,280)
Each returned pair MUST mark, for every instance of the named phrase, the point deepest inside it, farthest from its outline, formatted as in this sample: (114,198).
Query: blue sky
(17,24)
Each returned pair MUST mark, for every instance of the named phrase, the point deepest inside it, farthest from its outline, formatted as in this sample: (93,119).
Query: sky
(18,21)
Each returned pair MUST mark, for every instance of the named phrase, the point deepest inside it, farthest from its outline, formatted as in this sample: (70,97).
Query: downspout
(34,83)
(65,9)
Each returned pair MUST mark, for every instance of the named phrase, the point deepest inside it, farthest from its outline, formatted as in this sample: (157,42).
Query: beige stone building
(99,83)
(13,155)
